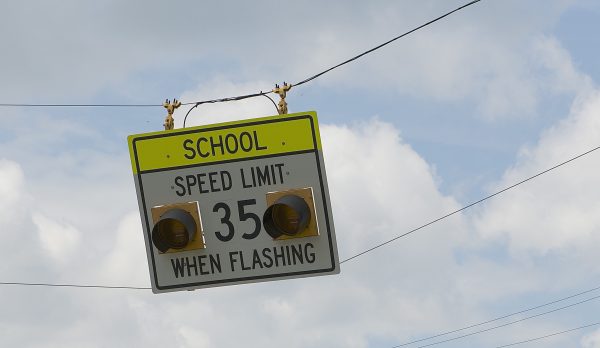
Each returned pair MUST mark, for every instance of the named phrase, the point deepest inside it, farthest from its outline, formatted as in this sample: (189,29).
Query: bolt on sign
(234,203)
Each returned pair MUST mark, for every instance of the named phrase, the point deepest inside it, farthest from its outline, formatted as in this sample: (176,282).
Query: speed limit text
(216,181)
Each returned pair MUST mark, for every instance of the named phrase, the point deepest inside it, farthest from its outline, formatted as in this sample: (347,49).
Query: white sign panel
(226,176)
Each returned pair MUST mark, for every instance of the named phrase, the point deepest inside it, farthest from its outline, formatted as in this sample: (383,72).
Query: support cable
(498,318)
(507,324)
(386,242)
(546,336)
(241,97)
(468,206)
(76,286)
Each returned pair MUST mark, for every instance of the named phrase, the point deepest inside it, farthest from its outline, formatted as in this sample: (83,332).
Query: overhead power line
(547,336)
(54,285)
(468,206)
(370,249)
(260,93)
(386,43)
(499,318)
(80,105)
(507,324)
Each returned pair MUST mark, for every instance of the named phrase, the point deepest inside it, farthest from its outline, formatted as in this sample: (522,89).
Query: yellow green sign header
(229,141)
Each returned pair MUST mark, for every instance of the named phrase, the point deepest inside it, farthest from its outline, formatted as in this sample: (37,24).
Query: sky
(479,101)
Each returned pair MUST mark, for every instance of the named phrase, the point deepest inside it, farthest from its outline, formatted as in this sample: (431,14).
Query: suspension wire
(75,286)
(507,324)
(499,318)
(228,99)
(549,335)
(272,101)
(221,100)
(78,105)
(399,236)
(386,43)
(468,206)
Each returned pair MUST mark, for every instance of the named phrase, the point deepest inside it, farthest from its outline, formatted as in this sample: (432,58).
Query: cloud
(59,240)
(11,188)
(535,218)
(124,262)
(591,340)
(473,55)
(72,201)
(220,87)
(380,187)
(561,75)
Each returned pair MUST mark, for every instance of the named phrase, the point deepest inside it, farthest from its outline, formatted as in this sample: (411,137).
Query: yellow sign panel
(224,142)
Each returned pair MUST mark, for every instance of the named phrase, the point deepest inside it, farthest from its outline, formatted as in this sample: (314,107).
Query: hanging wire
(467,206)
(220,100)
(272,101)
(507,324)
(549,335)
(427,224)
(80,105)
(76,286)
(386,43)
(499,318)
(228,99)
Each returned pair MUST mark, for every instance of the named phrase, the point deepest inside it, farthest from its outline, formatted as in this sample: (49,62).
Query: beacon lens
(289,215)
(174,230)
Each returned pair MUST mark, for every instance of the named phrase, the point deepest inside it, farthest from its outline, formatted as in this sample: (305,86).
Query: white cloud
(379,189)
(561,75)
(560,210)
(125,262)
(58,239)
(591,340)
(474,54)
(220,87)
(11,188)
(191,336)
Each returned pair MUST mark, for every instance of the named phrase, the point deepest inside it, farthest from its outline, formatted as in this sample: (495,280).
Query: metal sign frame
(159,156)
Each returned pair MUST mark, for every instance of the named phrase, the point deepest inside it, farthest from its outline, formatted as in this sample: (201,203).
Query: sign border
(324,197)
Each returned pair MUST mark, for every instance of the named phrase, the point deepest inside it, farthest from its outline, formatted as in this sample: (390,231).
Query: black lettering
(225,184)
(201,182)
(297,254)
(280,166)
(227,143)
(256,260)
(263,177)
(310,257)
(177,265)
(249,147)
(244,185)
(186,146)
(215,263)
(191,181)
(202,264)
(287,249)
(213,181)
(180,185)
(273,174)
(224,220)
(219,145)
(242,262)
(266,254)
(232,260)
(202,154)
(194,266)
(258,147)
(277,256)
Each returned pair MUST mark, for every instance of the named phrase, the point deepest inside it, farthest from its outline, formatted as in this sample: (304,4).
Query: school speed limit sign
(234,203)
